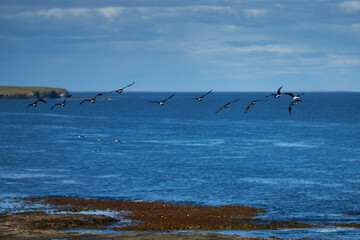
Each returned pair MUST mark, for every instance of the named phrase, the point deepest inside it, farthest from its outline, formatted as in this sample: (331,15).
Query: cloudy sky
(177,45)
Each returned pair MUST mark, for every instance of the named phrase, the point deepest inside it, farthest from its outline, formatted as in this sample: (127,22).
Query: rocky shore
(68,218)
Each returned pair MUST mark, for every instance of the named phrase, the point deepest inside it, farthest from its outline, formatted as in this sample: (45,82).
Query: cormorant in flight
(163,101)
(227,105)
(277,95)
(91,100)
(253,103)
(294,97)
(202,97)
(34,104)
(122,89)
(292,104)
(61,104)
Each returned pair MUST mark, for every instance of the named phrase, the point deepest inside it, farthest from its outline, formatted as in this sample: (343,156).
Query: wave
(26,175)
(293,144)
(202,143)
(287,181)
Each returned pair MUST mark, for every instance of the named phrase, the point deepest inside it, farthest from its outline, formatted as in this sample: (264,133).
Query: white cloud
(57,13)
(350,6)
(280,49)
(221,49)
(343,61)
(111,12)
(255,12)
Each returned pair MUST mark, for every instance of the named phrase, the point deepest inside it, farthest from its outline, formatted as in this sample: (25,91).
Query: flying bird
(163,101)
(227,105)
(277,95)
(294,97)
(253,103)
(117,140)
(34,104)
(202,97)
(91,100)
(61,104)
(122,89)
(292,104)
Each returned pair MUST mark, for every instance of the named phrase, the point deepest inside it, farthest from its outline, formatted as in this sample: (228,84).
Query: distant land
(12,92)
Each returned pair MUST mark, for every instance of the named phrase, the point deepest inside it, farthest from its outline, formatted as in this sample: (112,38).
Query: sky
(179,45)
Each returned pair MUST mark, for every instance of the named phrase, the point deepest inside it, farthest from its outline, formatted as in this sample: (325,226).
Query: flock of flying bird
(296,99)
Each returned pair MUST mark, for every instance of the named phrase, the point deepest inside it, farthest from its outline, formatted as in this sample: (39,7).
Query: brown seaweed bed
(163,216)
(138,216)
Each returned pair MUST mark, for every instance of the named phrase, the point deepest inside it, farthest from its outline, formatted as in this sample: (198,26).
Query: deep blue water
(304,167)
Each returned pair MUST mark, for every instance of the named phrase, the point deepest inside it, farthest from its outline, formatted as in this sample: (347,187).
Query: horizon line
(220,91)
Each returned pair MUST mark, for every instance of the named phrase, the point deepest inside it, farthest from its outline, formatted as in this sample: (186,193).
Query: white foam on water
(332,229)
(107,176)
(354,181)
(350,160)
(202,143)
(294,144)
(287,181)
(24,175)
(69,182)
(47,170)
(30,151)
(71,116)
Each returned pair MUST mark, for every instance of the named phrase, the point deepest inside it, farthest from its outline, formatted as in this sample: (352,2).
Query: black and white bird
(91,100)
(34,104)
(202,97)
(163,101)
(117,140)
(61,104)
(122,89)
(227,105)
(277,95)
(253,103)
(297,101)
(294,97)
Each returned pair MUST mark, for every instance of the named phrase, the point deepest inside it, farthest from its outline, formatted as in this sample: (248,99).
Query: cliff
(11,92)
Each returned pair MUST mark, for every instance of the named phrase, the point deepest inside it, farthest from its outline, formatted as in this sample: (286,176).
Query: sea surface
(304,167)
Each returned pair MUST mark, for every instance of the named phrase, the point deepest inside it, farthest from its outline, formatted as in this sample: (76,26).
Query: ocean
(303,167)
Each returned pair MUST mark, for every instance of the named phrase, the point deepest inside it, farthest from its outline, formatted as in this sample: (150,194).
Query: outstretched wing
(290,94)
(55,105)
(153,101)
(29,105)
(289,110)
(206,93)
(278,91)
(85,100)
(169,97)
(295,102)
(234,101)
(41,100)
(247,109)
(129,85)
(69,96)
(270,95)
(220,109)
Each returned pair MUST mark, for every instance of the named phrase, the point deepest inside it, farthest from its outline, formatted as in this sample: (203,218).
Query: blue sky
(238,45)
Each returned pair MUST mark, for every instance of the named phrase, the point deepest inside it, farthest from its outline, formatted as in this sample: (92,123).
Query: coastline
(15,92)
(61,217)
(48,218)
